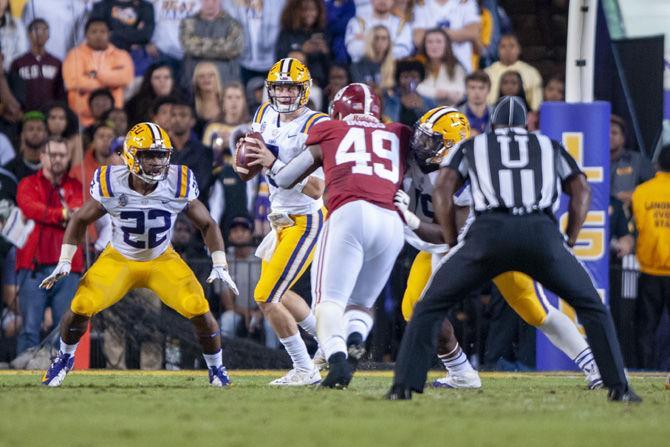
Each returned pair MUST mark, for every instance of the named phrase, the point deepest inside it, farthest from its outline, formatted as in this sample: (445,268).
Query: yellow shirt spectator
(651,209)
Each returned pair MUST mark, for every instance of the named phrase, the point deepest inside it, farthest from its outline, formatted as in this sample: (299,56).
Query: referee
(513,177)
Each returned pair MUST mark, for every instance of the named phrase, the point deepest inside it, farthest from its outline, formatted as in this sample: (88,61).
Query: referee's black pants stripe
(495,244)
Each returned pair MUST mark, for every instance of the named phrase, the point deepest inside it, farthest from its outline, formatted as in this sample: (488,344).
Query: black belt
(513,211)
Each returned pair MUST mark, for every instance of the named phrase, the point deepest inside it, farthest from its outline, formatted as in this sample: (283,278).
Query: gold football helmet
(144,142)
(288,72)
(435,133)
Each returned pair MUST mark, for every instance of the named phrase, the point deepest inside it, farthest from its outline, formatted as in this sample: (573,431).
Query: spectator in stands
(119,120)
(338,77)
(10,108)
(13,36)
(33,136)
(378,13)
(484,47)
(338,14)
(66,16)
(165,45)
(234,113)
(628,168)
(554,90)
(241,315)
(207,95)
(158,81)
(49,198)
(651,210)
(445,76)
(100,102)
(37,76)
(131,24)
(211,35)
(255,91)
(303,24)
(511,84)
(477,86)
(93,65)
(458,18)
(63,123)
(188,150)
(377,66)
(260,20)
(98,154)
(161,111)
(509,51)
(403,103)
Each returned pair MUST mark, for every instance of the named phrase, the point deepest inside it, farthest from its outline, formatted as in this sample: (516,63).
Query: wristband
(412,221)
(67,252)
(219,258)
(276,166)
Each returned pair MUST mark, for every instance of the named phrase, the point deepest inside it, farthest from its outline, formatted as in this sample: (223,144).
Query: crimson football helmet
(356,99)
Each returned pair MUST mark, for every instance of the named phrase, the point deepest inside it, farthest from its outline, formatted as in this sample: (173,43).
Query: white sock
(456,361)
(309,324)
(68,349)
(330,327)
(296,349)
(358,321)
(563,333)
(213,360)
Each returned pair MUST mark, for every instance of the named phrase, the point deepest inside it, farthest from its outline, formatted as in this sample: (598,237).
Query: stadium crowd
(77,74)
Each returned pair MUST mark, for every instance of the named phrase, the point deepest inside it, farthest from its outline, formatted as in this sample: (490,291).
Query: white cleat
(593,379)
(296,377)
(467,379)
(320,361)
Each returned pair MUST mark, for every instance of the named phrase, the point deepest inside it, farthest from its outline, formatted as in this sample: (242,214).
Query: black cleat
(399,392)
(623,395)
(355,349)
(339,372)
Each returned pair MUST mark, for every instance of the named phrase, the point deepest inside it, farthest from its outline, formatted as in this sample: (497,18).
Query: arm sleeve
(119,72)
(74,73)
(291,172)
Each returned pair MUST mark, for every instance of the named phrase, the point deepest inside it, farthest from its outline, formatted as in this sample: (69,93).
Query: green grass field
(102,408)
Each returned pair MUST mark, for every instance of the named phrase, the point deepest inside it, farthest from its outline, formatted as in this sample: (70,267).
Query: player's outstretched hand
(61,270)
(259,153)
(401,201)
(221,272)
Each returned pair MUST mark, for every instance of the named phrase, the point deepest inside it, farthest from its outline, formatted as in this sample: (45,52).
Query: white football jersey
(286,141)
(142,225)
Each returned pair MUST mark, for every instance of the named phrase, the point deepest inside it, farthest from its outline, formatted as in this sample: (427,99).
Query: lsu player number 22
(143,199)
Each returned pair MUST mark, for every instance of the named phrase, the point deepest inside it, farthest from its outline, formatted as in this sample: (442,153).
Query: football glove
(220,271)
(61,271)
(401,201)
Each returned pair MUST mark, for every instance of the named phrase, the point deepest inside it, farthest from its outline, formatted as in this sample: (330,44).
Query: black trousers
(652,296)
(497,243)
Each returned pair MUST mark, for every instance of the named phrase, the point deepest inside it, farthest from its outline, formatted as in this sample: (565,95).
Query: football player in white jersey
(297,216)
(436,132)
(142,199)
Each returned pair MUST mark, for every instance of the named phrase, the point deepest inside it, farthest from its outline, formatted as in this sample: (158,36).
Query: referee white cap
(509,112)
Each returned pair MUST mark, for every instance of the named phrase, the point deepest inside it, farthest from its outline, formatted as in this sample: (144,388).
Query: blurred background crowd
(78,73)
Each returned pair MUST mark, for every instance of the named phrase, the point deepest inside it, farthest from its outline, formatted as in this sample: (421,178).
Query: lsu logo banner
(583,128)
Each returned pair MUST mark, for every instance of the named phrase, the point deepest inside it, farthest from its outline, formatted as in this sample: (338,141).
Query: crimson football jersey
(363,159)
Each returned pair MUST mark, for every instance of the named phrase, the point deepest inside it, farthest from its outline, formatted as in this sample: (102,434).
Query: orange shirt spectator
(93,65)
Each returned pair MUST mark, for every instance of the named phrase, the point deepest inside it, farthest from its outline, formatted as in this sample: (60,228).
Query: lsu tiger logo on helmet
(146,152)
(435,133)
(288,72)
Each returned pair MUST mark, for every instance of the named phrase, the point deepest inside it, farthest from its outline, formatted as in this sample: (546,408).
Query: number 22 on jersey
(385,150)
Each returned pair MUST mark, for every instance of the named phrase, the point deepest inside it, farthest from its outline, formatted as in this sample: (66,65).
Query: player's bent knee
(193,306)
(84,306)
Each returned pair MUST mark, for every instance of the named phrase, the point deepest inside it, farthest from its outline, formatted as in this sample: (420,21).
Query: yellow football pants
(113,275)
(293,254)
(517,289)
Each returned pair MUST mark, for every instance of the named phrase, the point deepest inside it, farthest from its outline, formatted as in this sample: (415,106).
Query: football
(242,167)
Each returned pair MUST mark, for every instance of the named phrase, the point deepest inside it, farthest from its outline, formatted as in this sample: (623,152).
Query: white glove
(61,271)
(220,271)
(401,201)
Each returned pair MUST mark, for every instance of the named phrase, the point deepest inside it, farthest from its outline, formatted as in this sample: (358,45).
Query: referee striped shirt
(512,169)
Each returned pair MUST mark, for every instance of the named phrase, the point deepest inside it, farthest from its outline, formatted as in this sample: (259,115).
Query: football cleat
(218,376)
(355,349)
(60,366)
(466,379)
(296,377)
(340,372)
(319,360)
(399,392)
(623,395)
